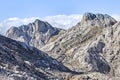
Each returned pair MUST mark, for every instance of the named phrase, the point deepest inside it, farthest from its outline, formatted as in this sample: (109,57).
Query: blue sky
(59,13)
(42,8)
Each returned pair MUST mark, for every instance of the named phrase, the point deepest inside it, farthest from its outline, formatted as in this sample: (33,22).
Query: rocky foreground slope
(92,46)
(21,62)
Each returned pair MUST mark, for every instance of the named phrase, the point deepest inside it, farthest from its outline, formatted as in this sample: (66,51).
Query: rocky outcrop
(35,34)
(90,19)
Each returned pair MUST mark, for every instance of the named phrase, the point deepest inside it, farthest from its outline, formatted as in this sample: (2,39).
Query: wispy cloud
(61,21)
(6,24)
(116,16)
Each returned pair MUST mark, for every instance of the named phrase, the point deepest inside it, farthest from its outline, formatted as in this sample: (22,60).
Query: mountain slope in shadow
(21,62)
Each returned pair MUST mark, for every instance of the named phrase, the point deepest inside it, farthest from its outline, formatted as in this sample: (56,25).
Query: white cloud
(6,24)
(61,21)
(116,16)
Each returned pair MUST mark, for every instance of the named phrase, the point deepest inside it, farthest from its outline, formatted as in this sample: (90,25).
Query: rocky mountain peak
(41,26)
(90,46)
(90,19)
(88,16)
(35,34)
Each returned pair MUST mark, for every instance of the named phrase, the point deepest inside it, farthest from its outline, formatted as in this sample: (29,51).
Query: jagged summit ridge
(91,19)
(35,34)
(41,26)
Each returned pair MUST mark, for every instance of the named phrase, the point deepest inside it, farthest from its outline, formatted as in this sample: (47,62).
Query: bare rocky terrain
(90,50)
(21,62)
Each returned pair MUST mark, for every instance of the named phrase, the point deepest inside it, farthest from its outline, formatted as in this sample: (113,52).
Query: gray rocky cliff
(35,34)
(89,46)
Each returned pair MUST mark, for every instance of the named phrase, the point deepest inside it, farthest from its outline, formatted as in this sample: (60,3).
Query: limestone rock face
(89,48)
(35,34)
